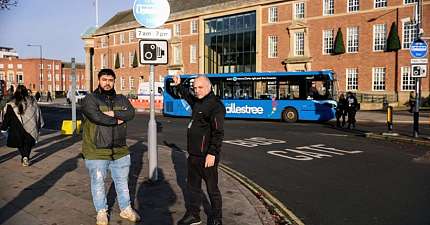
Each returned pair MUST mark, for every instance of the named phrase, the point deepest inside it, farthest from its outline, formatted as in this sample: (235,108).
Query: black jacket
(206,127)
(103,137)
(17,136)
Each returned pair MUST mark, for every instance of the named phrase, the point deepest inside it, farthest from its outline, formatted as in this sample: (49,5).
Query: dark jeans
(197,172)
(25,150)
(339,114)
(351,117)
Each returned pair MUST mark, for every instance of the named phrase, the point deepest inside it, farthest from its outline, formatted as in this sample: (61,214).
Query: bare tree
(6,4)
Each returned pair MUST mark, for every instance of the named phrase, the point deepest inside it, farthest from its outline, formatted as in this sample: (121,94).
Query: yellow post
(390,118)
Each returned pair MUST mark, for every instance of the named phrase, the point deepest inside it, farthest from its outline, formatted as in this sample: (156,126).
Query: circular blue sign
(151,13)
(418,49)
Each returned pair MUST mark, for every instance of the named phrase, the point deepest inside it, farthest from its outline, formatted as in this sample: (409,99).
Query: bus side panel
(252,109)
(308,109)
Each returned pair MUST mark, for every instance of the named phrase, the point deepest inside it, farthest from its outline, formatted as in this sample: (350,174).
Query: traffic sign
(151,13)
(153,34)
(419,61)
(153,52)
(419,70)
(418,49)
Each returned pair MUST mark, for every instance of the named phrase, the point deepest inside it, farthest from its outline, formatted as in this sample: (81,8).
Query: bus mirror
(160,90)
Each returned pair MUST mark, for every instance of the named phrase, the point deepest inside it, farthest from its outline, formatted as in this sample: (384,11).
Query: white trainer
(102,217)
(129,214)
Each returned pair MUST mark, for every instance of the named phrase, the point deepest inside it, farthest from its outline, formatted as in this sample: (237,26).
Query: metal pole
(418,80)
(152,130)
(73,98)
(97,13)
(41,67)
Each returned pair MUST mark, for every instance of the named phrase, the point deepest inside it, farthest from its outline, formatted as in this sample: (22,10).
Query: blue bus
(287,96)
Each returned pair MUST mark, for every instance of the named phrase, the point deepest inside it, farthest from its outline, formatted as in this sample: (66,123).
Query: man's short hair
(203,76)
(108,72)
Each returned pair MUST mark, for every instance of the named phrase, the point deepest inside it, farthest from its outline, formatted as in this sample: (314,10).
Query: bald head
(202,86)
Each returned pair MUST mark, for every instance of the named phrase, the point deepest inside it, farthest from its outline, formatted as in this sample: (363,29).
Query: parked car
(79,95)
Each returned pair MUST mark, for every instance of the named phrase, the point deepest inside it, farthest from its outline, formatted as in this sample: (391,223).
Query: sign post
(73,97)
(152,14)
(419,52)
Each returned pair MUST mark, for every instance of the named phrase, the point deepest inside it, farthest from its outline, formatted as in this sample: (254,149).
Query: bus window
(289,90)
(237,90)
(265,89)
(317,89)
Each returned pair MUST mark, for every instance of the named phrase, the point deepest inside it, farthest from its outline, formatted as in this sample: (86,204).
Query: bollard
(390,118)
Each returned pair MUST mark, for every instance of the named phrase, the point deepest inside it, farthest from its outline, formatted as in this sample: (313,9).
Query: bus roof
(328,73)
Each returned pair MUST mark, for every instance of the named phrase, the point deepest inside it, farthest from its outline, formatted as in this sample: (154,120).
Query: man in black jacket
(205,135)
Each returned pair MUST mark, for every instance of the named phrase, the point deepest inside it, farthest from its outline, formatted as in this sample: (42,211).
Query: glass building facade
(230,44)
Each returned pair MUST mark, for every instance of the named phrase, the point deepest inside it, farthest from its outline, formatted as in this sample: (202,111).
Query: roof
(176,7)
(89,32)
(69,65)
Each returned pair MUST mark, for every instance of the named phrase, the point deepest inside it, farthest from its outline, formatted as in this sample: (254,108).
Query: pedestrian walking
(37,96)
(205,135)
(341,110)
(352,108)
(49,97)
(23,120)
(104,147)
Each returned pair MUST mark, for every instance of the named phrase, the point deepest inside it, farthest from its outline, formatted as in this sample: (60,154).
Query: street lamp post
(41,63)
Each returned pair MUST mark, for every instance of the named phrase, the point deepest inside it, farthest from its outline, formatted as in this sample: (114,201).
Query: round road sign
(151,13)
(418,49)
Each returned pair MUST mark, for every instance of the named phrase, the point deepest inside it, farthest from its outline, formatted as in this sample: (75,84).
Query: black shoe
(189,219)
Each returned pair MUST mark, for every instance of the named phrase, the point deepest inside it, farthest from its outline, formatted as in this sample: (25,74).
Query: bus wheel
(289,115)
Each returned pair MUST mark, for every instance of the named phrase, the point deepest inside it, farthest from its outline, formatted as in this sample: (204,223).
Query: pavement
(55,189)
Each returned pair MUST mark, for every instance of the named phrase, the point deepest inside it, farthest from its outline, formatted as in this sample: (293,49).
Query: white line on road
(336,135)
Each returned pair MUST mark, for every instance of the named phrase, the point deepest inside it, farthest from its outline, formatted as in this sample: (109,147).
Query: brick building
(272,35)
(54,75)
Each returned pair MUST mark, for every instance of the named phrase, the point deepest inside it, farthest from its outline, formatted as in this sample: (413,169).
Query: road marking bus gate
(311,152)
(254,142)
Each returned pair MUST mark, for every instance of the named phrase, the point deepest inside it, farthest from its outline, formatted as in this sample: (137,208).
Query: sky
(55,24)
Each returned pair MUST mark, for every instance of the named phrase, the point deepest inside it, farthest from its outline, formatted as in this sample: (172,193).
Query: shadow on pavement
(179,160)
(37,189)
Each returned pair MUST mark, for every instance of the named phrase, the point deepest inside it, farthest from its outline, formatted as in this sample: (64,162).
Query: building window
(408,82)
(193,53)
(230,44)
(10,77)
(299,10)
(328,7)
(409,33)
(57,67)
(273,14)
(177,55)
(299,44)
(10,66)
(378,78)
(49,66)
(1,75)
(130,59)
(103,42)
(57,76)
(352,79)
(103,59)
(352,39)
(380,3)
(410,1)
(1,66)
(121,38)
(328,41)
(379,37)
(20,78)
(353,5)
(49,77)
(131,36)
(121,60)
(131,83)
(177,29)
(273,47)
(194,27)
(122,79)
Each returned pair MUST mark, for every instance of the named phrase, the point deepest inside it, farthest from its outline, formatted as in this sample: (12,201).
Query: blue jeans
(119,172)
